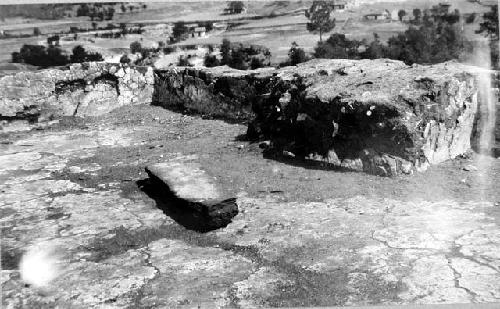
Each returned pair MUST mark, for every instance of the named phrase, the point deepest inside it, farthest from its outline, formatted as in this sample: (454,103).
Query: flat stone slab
(183,187)
(186,179)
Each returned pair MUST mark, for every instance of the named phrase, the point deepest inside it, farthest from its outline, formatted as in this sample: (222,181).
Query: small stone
(240,146)
(469,168)
(288,154)
(265,144)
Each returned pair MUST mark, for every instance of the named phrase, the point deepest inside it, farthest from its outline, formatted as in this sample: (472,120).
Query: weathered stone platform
(302,237)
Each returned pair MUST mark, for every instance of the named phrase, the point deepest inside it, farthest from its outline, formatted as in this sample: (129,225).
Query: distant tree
(123,27)
(427,17)
(144,6)
(123,8)
(83,10)
(401,14)
(16,57)
(40,56)
(319,18)
(110,13)
(124,59)
(471,18)
(179,30)
(81,55)
(135,47)
(210,61)
(337,47)
(375,49)
(57,58)
(130,8)
(417,14)
(296,55)
(236,7)
(489,26)
(94,25)
(427,44)
(36,31)
(256,62)
(225,50)
(209,26)
(183,61)
(238,60)
(161,44)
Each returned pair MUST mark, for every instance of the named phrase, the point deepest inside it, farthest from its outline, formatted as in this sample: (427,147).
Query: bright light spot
(39,265)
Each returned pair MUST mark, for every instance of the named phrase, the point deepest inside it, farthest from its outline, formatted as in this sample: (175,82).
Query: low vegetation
(434,36)
(240,56)
(41,56)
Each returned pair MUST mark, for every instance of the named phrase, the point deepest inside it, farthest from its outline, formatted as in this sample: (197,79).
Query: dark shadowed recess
(200,217)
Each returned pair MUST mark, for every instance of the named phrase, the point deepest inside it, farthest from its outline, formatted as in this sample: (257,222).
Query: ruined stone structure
(378,116)
(88,89)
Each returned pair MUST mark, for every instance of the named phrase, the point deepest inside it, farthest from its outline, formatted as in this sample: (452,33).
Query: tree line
(435,36)
(41,56)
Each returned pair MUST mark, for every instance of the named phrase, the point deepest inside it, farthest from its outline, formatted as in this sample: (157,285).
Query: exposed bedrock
(217,92)
(378,116)
(88,89)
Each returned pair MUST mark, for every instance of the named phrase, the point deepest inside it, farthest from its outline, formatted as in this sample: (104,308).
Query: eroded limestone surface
(88,89)
(119,250)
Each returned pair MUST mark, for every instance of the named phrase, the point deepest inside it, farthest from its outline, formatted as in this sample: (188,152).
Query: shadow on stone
(197,216)
(304,163)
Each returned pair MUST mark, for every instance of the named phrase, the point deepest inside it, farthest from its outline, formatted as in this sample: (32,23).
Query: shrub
(211,61)
(240,56)
(296,55)
(125,59)
(183,61)
(135,47)
(471,18)
(81,55)
(179,31)
(337,47)
(40,56)
(256,63)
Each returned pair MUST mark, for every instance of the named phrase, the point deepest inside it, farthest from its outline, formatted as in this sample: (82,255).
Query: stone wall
(87,89)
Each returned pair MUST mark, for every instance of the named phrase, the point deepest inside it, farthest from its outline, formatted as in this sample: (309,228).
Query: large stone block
(379,116)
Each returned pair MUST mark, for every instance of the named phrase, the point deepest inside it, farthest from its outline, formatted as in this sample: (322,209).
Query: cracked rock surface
(303,236)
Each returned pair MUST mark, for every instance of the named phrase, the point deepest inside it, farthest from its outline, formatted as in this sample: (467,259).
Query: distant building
(339,6)
(219,26)
(53,40)
(377,16)
(199,32)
